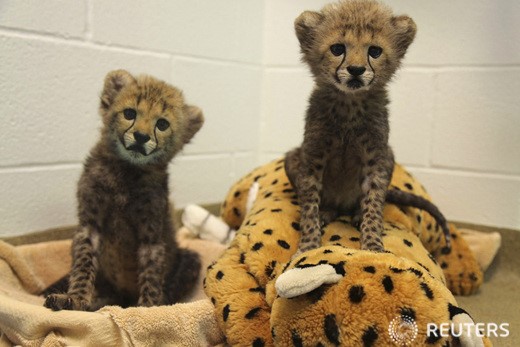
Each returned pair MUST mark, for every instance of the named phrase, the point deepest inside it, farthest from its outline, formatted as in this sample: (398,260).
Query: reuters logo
(403,330)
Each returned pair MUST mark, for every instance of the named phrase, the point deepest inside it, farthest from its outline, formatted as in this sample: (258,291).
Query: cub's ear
(114,82)
(405,30)
(194,121)
(305,26)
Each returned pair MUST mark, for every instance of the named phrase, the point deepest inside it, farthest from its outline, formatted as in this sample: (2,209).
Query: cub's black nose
(356,70)
(141,138)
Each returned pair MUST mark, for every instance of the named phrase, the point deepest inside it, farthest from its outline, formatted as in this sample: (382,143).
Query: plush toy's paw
(203,224)
(462,272)
(465,328)
(57,302)
(251,196)
(300,281)
(483,245)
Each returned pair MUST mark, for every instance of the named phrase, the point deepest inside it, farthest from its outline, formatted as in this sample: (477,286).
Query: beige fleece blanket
(26,270)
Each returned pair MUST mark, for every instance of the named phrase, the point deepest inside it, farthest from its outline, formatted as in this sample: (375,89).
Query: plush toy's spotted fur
(344,164)
(124,251)
(408,279)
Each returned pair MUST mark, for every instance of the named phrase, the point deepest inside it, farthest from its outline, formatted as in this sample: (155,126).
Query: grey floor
(498,300)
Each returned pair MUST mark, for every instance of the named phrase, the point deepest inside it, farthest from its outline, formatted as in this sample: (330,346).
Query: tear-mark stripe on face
(372,68)
(339,67)
(155,134)
(127,142)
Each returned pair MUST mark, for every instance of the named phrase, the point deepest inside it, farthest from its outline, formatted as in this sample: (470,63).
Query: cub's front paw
(57,302)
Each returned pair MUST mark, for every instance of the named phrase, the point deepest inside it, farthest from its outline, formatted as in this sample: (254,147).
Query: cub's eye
(337,49)
(375,51)
(162,124)
(129,113)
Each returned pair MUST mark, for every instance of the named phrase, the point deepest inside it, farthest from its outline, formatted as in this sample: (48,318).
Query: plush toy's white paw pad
(203,224)
(300,281)
(464,327)
(193,217)
(251,196)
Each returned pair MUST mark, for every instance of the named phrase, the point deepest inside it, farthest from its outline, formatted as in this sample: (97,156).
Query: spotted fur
(124,251)
(345,163)
(409,278)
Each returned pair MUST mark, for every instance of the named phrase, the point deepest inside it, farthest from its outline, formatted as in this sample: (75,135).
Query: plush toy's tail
(398,197)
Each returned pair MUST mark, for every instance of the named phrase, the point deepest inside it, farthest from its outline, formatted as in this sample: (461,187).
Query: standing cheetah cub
(345,163)
(124,251)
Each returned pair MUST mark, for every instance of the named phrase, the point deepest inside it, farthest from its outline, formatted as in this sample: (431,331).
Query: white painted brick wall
(455,116)
(57,17)
(229,95)
(223,29)
(53,58)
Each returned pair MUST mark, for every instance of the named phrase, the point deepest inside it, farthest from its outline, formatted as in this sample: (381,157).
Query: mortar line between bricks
(36,34)
(75,41)
(414,67)
(214,60)
(88,20)
(463,171)
(461,66)
(79,164)
(203,155)
(433,120)
(35,167)
(93,44)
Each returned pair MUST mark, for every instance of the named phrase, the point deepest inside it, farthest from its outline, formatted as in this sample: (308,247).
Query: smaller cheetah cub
(124,251)
(345,163)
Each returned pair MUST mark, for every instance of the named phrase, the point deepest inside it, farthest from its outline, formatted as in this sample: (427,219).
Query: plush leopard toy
(337,294)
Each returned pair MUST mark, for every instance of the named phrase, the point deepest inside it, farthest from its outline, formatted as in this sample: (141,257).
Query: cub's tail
(183,277)
(398,197)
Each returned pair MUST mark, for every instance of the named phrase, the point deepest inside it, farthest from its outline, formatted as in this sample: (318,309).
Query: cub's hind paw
(57,302)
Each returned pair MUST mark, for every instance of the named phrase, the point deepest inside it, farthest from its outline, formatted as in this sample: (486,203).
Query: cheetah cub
(345,163)
(124,251)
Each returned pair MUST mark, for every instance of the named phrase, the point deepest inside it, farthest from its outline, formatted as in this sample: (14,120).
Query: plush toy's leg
(203,224)
(296,282)
(239,300)
(462,272)
(465,328)
(483,245)
(241,196)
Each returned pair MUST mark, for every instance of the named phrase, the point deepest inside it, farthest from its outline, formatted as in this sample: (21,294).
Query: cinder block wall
(455,109)
(455,117)
(53,58)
